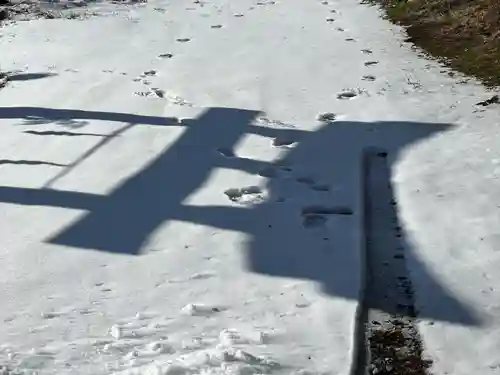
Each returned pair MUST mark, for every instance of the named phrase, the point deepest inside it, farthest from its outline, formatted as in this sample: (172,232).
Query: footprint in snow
(238,15)
(309,181)
(348,94)
(285,168)
(149,73)
(370,63)
(183,40)
(216,27)
(305,180)
(202,276)
(142,93)
(320,187)
(340,29)
(326,117)
(350,40)
(154,91)
(165,56)
(268,172)
(158,92)
(367,51)
(316,216)
(250,194)
(369,78)
(50,314)
(330,20)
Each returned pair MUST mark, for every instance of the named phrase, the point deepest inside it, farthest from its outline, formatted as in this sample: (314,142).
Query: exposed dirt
(396,350)
(391,343)
(24,10)
(464,33)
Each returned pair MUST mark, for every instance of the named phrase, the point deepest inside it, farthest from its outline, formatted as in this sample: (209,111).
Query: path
(182,181)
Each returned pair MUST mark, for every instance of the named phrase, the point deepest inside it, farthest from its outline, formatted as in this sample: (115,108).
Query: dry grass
(465,33)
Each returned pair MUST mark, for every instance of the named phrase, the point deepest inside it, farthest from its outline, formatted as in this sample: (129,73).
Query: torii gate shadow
(121,221)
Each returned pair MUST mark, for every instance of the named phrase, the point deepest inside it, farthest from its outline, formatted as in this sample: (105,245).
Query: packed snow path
(181,190)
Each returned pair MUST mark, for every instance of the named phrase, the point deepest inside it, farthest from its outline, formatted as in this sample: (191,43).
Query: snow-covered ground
(170,202)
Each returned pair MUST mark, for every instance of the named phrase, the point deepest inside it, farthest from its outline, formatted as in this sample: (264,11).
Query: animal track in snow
(250,194)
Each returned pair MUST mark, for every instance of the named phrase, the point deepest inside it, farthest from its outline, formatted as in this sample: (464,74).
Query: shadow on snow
(279,245)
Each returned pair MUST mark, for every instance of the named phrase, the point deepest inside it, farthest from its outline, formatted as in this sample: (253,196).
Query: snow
(176,199)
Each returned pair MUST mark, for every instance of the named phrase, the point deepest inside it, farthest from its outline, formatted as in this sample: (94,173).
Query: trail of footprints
(311,215)
(352,93)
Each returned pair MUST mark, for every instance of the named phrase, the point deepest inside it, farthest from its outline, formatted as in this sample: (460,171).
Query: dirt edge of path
(463,34)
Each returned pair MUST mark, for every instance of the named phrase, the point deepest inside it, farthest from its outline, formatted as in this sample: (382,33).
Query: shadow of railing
(121,221)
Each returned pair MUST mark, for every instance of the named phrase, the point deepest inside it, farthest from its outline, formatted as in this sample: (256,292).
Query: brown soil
(464,33)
